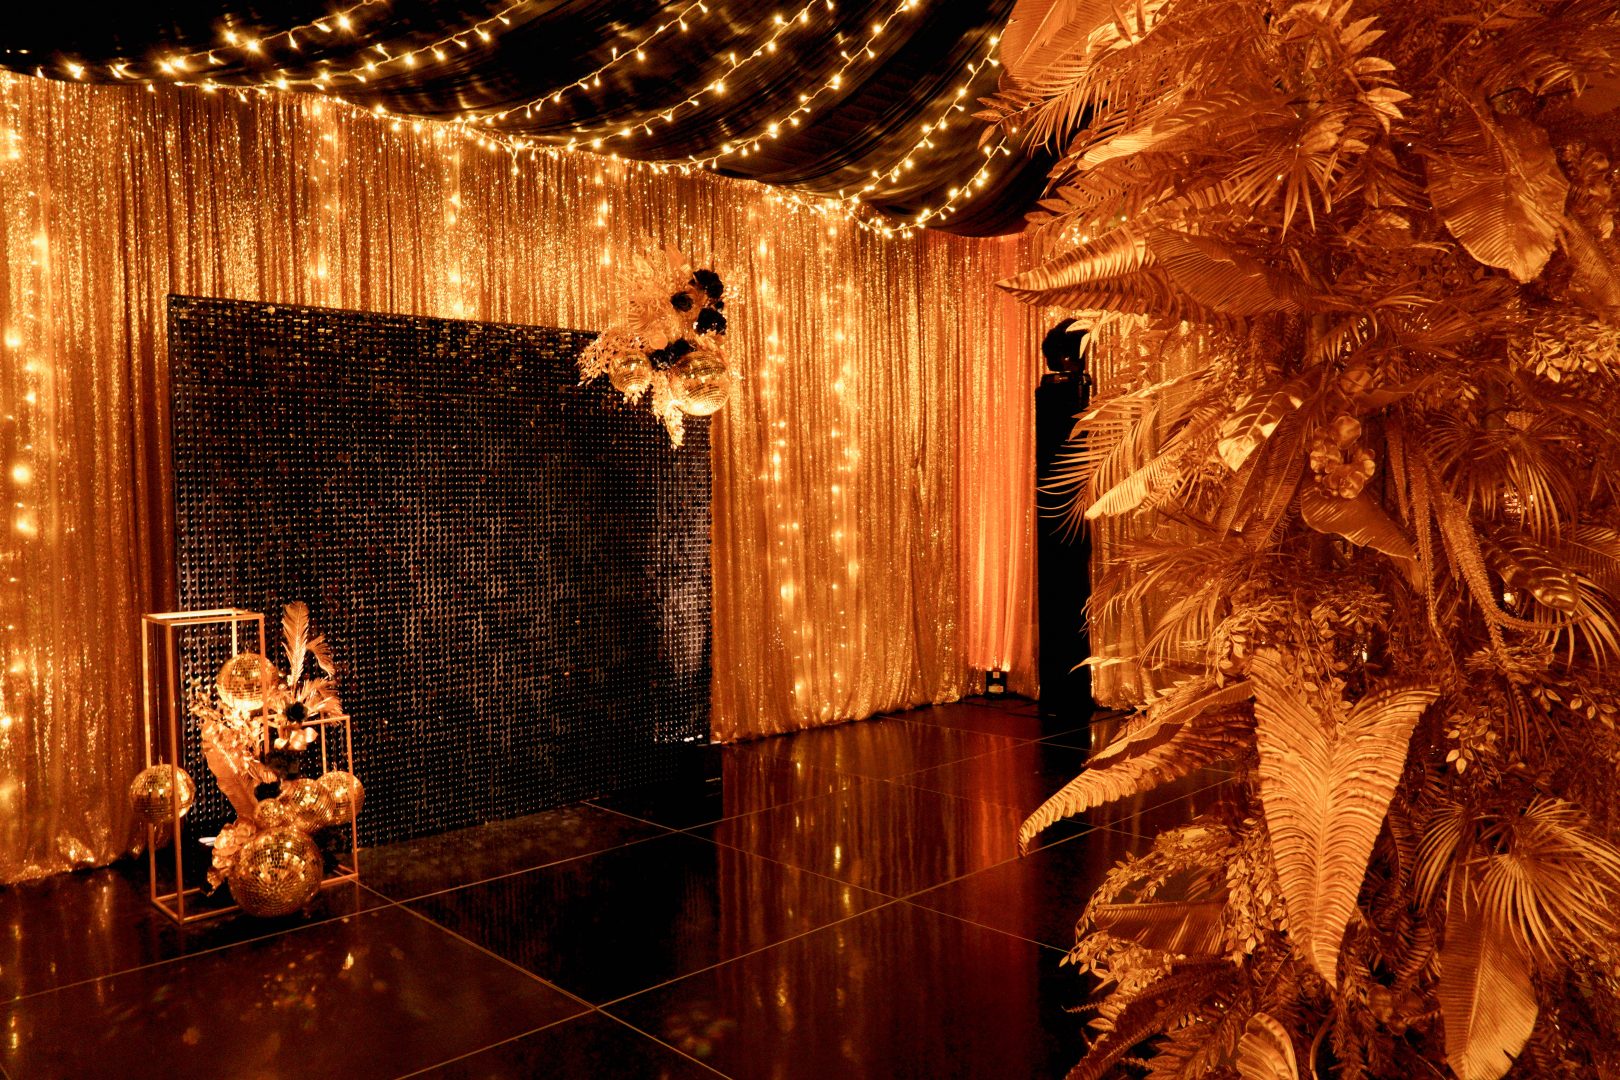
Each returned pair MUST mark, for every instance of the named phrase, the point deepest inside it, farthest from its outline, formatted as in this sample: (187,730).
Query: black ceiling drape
(871,122)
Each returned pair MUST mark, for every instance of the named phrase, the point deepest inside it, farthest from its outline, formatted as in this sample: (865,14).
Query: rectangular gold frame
(163,697)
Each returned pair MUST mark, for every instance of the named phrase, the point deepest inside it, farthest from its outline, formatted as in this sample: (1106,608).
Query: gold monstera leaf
(1487,1001)
(1498,188)
(1190,928)
(1327,773)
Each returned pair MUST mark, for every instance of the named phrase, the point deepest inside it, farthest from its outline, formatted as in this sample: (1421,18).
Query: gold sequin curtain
(850,478)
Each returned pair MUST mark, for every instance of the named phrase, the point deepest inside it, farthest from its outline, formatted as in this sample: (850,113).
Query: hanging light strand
(806,101)
(173,66)
(592,80)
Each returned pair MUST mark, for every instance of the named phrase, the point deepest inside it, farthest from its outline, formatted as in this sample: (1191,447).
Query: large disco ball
(701,384)
(276,873)
(630,375)
(347,792)
(311,806)
(245,680)
(151,793)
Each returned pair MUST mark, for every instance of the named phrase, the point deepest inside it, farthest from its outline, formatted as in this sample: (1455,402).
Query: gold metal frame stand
(164,718)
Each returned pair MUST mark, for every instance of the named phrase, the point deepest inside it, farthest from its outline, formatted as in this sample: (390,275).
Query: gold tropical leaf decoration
(1266,1052)
(1360,520)
(1189,928)
(1498,188)
(1525,564)
(1195,728)
(1486,995)
(1253,422)
(1352,276)
(1327,774)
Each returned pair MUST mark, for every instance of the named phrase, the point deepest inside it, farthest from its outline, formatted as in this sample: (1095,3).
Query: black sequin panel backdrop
(512,569)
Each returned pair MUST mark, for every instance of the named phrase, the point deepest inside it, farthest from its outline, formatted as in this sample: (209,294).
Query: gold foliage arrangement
(1380,504)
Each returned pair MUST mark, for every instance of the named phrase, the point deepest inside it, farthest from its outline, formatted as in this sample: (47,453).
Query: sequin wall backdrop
(515,567)
(872,478)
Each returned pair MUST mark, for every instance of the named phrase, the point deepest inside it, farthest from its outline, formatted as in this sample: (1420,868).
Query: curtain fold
(849,475)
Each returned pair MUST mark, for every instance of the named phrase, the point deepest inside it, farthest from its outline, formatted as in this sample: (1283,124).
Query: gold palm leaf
(1196,729)
(1190,928)
(1253,421)
(1525,564)
(1499,190)
(1487,1001)
(1040,33)
(1266,1052)
(1360,520)
(1325,785)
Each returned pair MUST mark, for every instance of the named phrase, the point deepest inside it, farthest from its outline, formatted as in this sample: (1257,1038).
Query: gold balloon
(702,384)
(276,873)
(348,794)
(310,804)
(630,375)
(244,681)
(151,794)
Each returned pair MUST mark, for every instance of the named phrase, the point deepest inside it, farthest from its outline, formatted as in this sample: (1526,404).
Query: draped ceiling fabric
(717,75)
(867,552)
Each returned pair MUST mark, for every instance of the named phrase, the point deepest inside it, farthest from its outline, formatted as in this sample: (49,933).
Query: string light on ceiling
(806,101)
(176,68)
(592,80)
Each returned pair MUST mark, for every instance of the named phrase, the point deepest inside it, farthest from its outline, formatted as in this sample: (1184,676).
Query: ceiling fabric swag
(835,506)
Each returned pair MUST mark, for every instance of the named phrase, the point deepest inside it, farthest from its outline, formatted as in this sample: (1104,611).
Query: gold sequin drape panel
(847,481)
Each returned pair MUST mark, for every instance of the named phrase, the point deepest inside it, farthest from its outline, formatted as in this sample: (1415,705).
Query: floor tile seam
(586,1006)
(490,1046)
(203,952)
(667,831)
(661,1042)
(911,901)
(774,806)
(886,897)
(607,1005)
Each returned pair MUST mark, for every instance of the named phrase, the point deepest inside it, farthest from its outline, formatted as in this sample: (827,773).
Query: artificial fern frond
(1327,773)
(1196,729)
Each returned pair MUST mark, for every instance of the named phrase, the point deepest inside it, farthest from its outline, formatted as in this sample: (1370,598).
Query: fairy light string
(475,126)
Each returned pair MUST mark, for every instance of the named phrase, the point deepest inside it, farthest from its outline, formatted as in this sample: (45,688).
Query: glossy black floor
(840,903)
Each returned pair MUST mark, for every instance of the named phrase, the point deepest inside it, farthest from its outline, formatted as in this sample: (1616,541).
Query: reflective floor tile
(84,925)
(900,992)
(620,921)
(878,748)
(746,782)
(373,995)
(1039,896)
(591,1047)
(428,864)
(888,837)
(993,719)
(1022,776)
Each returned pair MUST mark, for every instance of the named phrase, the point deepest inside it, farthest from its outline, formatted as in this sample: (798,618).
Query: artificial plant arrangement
(1380,503)
(257,723)
(672,341)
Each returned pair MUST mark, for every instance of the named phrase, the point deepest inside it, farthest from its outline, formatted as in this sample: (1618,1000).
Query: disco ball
(244,681)
(310,805)
(151,794)
(630,375)
(276,873)
(347,792)
(702,384)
